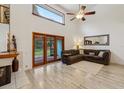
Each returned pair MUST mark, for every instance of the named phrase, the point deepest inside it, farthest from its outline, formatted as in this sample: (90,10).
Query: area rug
(88,67)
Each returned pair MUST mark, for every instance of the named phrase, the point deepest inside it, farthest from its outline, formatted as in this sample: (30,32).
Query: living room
(24,23)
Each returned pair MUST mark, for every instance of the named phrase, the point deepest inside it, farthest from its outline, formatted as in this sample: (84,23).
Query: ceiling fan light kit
(80,14)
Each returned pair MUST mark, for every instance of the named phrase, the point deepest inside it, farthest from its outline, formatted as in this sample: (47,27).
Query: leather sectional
(72,56)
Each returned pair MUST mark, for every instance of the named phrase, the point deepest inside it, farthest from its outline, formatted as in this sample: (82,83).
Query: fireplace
(5,75)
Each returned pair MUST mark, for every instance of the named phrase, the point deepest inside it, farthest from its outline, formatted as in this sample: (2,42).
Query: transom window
(49,13)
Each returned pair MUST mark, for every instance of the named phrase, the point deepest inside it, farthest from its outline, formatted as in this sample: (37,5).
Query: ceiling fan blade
(90,13)
(83,19)
(83,7)
(70,13)
(72,18)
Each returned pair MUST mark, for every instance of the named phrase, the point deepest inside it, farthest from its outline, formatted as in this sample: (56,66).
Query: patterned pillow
(101,54)
(81,51)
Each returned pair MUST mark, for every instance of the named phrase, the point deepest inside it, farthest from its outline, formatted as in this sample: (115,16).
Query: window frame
(47,8)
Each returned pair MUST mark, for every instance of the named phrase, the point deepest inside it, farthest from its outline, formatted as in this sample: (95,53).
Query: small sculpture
(14,43)
(11,43)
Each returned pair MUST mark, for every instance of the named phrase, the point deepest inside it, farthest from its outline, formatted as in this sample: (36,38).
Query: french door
(38,49)
(46,48)
(50,48)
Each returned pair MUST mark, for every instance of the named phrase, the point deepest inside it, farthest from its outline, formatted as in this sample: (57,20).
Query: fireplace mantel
(8,55)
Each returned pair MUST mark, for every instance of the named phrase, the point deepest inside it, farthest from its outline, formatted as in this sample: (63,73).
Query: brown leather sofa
(104,59)
(72,56)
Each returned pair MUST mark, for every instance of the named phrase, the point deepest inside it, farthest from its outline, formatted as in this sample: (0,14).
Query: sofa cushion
(97,57)
(86,56)
(74,52)
(74,59)
(76,56)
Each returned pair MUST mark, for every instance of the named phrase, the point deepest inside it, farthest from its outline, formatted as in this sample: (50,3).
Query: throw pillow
(92,54)
(81,51)
(101,54)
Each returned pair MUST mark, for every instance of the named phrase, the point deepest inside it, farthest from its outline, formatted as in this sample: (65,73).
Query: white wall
(4,29)
(109,19)
(23,23)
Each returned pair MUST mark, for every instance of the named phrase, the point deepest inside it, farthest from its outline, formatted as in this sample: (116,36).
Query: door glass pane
(50,48)
(59,48)
(38,48)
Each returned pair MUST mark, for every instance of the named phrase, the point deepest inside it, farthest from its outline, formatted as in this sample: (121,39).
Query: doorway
(46,48)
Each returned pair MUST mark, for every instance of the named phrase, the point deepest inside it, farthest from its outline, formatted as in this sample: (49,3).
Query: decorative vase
(15,65)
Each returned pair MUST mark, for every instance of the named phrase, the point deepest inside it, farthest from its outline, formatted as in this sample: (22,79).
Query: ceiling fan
(81,13)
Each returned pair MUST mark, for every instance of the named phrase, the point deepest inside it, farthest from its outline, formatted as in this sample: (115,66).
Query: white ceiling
(75,7)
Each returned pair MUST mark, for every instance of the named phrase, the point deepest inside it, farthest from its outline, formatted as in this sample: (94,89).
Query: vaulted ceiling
(104,12)
(75,7)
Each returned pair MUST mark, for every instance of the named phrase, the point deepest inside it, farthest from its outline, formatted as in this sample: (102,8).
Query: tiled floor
(79,75)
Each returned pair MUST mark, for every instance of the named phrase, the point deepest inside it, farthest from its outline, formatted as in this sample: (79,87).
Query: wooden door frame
(45,52)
